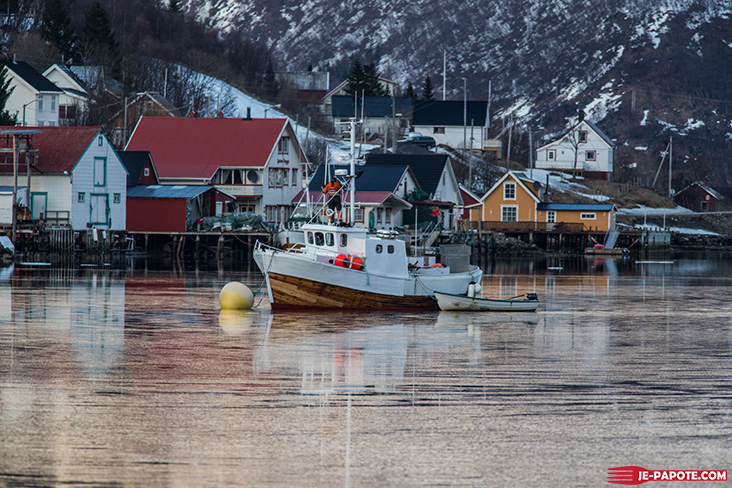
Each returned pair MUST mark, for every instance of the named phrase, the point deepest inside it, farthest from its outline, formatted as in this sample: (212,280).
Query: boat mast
(352,175)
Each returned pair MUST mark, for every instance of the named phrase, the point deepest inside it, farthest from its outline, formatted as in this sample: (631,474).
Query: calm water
(133,377)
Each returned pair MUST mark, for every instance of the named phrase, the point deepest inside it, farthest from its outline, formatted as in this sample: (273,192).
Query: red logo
(635,475)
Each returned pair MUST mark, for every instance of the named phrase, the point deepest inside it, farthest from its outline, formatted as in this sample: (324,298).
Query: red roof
(59,148)
(196,147)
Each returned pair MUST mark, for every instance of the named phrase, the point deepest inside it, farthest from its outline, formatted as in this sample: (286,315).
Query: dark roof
(372,179)
(32,77)
(596,207)
(342,106)
(449,112)
(427,168)
(135,162)
(168,191)
(704,187)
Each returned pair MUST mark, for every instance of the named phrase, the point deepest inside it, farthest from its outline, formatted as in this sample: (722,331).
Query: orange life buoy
(437,265)
(341,260)
(355,262)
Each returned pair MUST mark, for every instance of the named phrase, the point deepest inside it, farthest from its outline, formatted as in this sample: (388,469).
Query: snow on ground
(640,211)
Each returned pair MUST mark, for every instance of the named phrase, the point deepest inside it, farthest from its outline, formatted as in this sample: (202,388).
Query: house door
(99,209)
(39,202)
(551,219)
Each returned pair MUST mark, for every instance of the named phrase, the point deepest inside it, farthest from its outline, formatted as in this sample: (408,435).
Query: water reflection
(136,377)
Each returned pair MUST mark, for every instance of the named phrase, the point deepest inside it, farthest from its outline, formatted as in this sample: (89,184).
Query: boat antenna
(352,175)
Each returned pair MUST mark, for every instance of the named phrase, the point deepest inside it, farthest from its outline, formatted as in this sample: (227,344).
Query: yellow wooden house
(517,202)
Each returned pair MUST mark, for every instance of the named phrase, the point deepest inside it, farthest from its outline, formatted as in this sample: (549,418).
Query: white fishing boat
(345,267)
(450,301)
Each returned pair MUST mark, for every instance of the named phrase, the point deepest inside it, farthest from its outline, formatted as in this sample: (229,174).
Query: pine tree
(373,85)
(427,91)
(356,78)
(100,45)
(410,92)
(5,91)
(56,29)
(271,86)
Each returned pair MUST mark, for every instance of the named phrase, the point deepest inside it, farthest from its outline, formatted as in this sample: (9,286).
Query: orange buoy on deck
(355,262)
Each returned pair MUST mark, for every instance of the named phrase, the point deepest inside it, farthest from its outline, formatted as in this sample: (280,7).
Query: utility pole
(670,166)
(465,114)
(531,156)
(444,74)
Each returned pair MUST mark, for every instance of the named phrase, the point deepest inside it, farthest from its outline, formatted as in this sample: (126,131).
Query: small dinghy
(526,303)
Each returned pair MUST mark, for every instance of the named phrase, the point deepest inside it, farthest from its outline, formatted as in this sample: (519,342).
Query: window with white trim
(590,155)
(551,216)
(284,145)
(551,154)
(509,213)
(147,171)
(583,136)
(588,216)
(509,191)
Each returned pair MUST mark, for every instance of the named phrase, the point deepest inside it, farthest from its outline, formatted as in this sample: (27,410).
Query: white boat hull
(455,302)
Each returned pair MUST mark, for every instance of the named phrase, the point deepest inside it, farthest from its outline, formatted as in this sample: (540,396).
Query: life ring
(329,212)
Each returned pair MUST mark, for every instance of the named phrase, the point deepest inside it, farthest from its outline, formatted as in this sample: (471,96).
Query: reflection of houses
(381,195)
(257,161)
(34,100)
(698,197)
(516,202)
(454,123)
(438,185)
(77,177)
(592,149)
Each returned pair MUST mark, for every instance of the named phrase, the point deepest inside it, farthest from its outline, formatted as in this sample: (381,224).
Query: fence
(561,227)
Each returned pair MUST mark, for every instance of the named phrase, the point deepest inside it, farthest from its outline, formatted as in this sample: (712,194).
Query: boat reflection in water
(371,358)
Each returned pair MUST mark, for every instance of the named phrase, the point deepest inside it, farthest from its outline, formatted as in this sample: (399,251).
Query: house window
(387,216)
(80,198)
(40,103)
(100,141)
(117,197)
(358,214)
(509,191)
(276,177)
(509,213)
(53,103)
(551,154)
(294,177)
(270,214)
(438,130)
(590,155)
(704,206)
(583,136)
(588,216)
(379,215)
(100,171)
(147,171)
(67,111)
(284,145)
(551,216)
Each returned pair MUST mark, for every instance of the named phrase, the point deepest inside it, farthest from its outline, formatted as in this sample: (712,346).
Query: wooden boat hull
(295,293)
(448,301)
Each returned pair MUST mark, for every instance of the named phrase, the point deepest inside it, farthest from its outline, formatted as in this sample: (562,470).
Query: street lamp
(271,106)
(25,105)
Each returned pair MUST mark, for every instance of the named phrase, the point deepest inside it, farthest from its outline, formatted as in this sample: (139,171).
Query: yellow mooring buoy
(236,296)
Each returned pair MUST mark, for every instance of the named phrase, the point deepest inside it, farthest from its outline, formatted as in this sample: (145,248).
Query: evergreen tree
(356,78)
(5,91)
(373,86)
(100,45)
(427,91)
(271,86)
(410,92)
(56,29)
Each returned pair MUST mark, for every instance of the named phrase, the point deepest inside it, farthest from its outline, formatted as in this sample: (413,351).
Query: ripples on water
(136,378)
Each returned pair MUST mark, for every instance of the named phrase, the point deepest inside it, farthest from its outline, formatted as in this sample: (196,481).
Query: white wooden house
(592,148)
(77,178)
(74,101)
(258,161)
(34,99)
(454,123)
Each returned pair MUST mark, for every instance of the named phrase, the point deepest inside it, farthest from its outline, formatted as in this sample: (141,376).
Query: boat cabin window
(319,239)
(344,240)
(329,240)
(310,237)
(379,249)
(390,249)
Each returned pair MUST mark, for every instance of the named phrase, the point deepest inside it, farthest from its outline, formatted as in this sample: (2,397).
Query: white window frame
(588,216)
(283,147)
(591,155)
(582,136)
(551,154)
(509,190)
(551,216)
(505,208)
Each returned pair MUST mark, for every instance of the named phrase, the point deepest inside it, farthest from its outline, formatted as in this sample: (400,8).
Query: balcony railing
(559,227)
